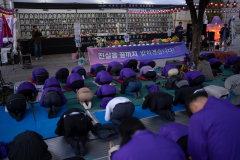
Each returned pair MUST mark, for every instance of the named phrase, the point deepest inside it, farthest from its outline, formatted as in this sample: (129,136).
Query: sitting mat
(90,74)
(144,79)
(68,89)
(231,96)
(9,127)
(46,127)
(32,80)
(73,103)
(116,79)
(70,95)
(139,113)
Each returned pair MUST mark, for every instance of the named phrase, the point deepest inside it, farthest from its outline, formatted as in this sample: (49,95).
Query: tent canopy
(160,2)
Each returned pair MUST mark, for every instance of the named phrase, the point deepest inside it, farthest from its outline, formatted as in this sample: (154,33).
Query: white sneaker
(40,58)
(36,58)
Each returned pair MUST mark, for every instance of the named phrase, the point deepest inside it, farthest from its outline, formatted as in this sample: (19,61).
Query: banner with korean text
(120,54)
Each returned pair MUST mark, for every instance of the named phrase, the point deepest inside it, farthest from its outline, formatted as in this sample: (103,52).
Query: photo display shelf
(53,23)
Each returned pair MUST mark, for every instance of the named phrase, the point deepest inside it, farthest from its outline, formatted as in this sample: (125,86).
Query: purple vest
(27,85)
(73,77)
(51,81)
(213,60)
(191,75)
(56,75)
(38,71)
(103,76)
(75,69)
(112,64)
(153,88)
(167,68)
(144,63)
(126,72)
(105,90)
(104,102)
(93,67)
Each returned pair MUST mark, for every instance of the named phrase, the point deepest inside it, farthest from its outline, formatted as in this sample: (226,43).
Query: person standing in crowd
(205,68)
(214,124)
(36,36)
(179,31)
(224,34)
(189,37)
(119,108)
(138,143)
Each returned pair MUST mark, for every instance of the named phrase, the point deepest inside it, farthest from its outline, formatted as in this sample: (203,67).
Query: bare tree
(197,23)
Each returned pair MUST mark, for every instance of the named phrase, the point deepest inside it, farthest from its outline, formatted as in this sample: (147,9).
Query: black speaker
(24,46)
(211,36)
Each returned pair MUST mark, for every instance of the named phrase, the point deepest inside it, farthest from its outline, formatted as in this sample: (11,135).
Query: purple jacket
(104,102)
(126,72)
(213,60)
(27,85)
(213,132)
(105,90)
(56,75)
(205,54)
(230,61)
(153,88)
(75,69)
(126,62)
(145,145)
(38,71)
(173,131)
(73,77)
(4,149)
(63,99)
(191,75)
(51,81)
(144,63)
(103,76)
(112,64)
(167,68)
(145,69)
(93,67)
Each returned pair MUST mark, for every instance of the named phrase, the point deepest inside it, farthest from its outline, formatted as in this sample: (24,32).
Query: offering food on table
(116,43)
(141,42)
(150,41)
(110,43)
(159,40)
(175,39)
(164,40)
(169,40)
(155,40)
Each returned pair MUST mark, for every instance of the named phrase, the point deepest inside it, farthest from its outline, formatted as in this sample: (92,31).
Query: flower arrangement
(122,43)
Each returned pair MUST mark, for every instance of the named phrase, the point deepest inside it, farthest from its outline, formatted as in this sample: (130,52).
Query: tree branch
(192,11)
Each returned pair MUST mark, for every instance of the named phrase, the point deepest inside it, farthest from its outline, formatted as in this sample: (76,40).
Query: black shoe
(82,149)
(171,115)
(54,114)
(154,79)
(135,95)
(139,95)
(50,114)
(159,84)
(77,149)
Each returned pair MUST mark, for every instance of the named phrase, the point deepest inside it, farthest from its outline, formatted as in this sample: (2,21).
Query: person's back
(214,131)
(146,145)
(232,84)
(205,68)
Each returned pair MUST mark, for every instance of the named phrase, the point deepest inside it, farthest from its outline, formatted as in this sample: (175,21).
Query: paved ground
(52,63)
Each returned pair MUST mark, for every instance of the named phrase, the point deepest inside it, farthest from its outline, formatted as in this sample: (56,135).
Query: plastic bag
(81,61)
(74,56)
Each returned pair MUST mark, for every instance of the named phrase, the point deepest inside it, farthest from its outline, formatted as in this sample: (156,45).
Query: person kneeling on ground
(103,77)
(217,91)
(75,123)
(231,61)
(208,55)
(236,68)
(213,123)
(97,68)
(182,94)
(232,84)
(80,70)
(28,90)
(160,103)
(75,82)
(114,68)
(40,75)
(106,91)
(16,105)
(169,70)
(119,108)
(176,132)
(176,82)
(131,63)
(84,97)
(52,97)
(29,145)
(236,100)
(205,68)
(194,78)
(148,72)
(138,143)
(153,88)
(147,62)
(62,75)
(215,64)
(51,82)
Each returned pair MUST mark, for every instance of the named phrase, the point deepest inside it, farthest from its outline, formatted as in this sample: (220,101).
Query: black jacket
(182,94)
(189,35)
(221,32)
(125,83)
(151,100)
(172,81)
(60,130)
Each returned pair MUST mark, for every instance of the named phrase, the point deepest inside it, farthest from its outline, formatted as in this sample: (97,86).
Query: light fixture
(179,9)
(216,4)
(183,8)
(221,11)
(212,4)
(175,9)
(171,10)
(221,4)
(214,11)
(228,4)
(217,11)
(234,4)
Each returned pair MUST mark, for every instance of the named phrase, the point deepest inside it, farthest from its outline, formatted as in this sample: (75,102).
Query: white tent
(163,2)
